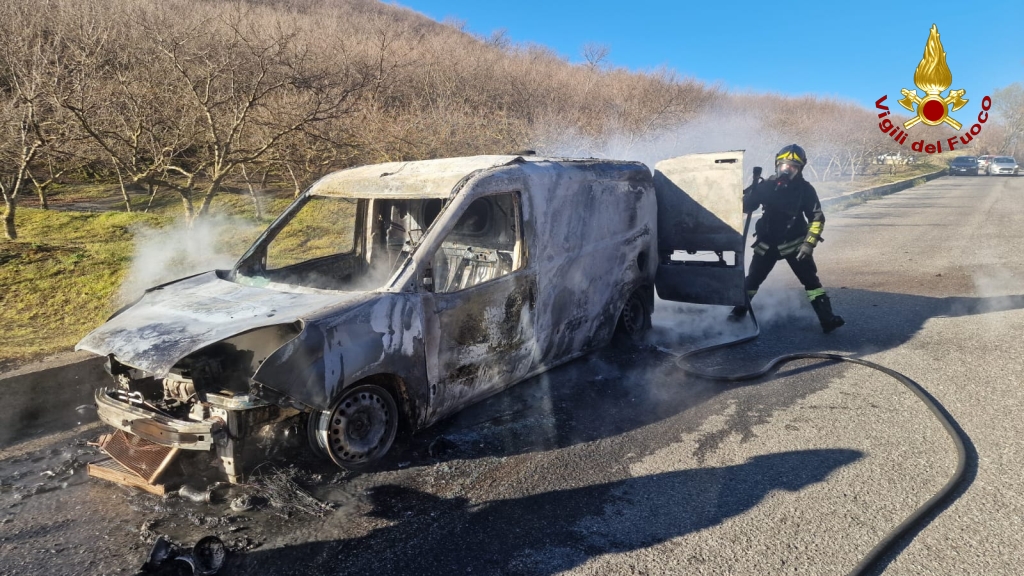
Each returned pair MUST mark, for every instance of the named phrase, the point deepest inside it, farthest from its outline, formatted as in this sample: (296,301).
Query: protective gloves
(806,250)
(813,237)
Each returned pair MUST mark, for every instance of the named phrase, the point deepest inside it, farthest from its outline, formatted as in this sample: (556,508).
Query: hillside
(184,97)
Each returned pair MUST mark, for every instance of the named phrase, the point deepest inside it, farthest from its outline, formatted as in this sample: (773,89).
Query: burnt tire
(358,429)
(635,318)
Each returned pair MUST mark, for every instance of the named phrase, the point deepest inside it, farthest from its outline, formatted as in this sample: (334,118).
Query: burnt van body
(397,294)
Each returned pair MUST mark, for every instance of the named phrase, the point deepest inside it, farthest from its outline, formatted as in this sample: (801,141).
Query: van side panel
(594,240)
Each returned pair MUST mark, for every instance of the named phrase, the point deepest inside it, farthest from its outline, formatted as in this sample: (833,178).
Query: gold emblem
(933,76)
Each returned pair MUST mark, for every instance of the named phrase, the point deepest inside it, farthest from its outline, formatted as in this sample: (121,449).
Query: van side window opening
(485,244)
(398,227)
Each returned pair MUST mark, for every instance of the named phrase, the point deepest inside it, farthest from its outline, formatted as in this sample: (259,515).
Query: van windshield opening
(346,244)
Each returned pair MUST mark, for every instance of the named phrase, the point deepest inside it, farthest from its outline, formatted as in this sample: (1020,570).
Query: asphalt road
(619,464)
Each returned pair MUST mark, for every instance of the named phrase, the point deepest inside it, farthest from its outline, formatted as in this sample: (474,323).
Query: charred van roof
(432,178)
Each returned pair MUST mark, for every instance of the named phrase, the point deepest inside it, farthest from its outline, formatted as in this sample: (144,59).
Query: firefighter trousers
(761,264)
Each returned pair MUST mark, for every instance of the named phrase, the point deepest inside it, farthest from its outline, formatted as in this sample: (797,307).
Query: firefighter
(790,227)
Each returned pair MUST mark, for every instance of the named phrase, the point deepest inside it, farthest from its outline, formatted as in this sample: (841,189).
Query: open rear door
(700,228)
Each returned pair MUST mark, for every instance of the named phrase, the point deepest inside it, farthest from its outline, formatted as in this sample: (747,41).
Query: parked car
(894,158)
(1003,165)
(394,295)
(983,162)
(964,165)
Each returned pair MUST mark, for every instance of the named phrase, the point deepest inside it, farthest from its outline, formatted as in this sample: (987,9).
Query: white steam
(177,250)
(677,325)
(997,289)
(720,128)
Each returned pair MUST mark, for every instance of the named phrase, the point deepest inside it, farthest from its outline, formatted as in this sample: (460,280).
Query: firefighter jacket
(792,215)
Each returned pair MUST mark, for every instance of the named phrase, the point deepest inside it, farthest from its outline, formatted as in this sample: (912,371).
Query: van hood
(174,320)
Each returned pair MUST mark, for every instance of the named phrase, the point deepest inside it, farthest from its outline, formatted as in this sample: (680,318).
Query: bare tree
(108,76)
(251,87)
(32,130)
(42,183)
(595,53)
(1009,112)
(19,146)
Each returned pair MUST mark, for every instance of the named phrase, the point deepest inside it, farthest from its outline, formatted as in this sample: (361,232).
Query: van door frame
(464,360)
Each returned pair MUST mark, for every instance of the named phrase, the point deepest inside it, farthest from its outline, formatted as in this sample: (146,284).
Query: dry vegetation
(181,97)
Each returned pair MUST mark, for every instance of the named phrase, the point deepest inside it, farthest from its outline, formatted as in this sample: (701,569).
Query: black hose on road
(886,544)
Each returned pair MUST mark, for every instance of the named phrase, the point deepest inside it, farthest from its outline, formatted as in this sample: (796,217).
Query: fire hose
(871,561)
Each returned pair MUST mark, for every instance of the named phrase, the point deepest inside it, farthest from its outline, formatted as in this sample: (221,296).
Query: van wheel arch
(381,392)
(635,315)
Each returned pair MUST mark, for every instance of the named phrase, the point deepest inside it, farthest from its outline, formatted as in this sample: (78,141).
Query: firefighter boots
(823,308)
(738,313)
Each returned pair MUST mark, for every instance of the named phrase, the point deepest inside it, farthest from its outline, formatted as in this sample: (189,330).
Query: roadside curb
(50,396)
(59,360)
(853,198)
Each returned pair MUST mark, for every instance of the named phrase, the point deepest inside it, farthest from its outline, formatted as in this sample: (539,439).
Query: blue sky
(855,51)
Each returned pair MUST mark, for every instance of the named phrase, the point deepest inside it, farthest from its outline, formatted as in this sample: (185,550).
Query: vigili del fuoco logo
(933,77)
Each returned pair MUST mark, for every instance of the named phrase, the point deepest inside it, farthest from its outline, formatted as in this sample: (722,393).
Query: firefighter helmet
(792,154)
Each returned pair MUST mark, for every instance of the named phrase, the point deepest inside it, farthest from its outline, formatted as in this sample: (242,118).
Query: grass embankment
(61,277)
(879,174)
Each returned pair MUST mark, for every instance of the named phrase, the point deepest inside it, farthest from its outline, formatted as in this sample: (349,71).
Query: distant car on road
(983,162)
(962,165)
(1003,165)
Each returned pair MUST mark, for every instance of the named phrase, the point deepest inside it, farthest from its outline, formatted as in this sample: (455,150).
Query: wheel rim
(633,315)
(359,428)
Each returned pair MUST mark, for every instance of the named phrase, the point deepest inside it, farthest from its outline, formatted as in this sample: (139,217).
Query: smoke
(677,325)
(830,130)
(997,289)
(177,250)
(721,127)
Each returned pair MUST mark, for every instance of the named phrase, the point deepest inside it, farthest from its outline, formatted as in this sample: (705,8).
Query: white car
(1003,165)
(983,162)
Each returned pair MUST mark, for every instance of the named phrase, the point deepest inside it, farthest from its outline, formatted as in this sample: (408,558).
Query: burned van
(394,295)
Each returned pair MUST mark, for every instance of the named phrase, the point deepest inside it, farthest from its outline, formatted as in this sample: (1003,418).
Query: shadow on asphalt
(614,390)
(550,532)
(605,394)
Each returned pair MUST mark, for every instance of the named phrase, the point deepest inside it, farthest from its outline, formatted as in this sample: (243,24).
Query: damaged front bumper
(157,428)
(237,429)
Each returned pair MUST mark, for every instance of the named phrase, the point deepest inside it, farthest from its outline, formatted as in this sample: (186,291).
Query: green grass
(99,195)
(323,227)
(60,278)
